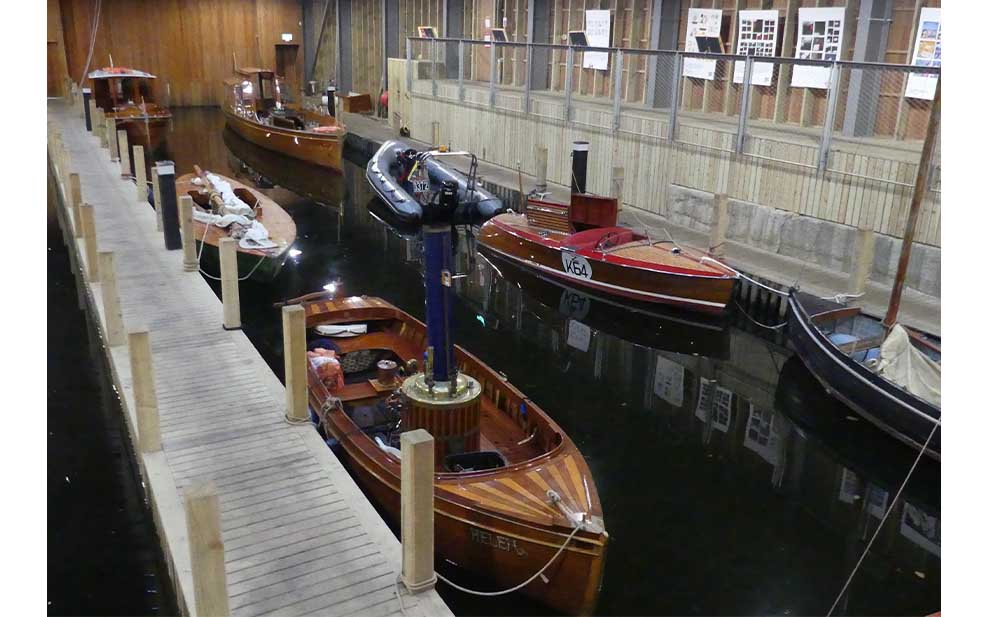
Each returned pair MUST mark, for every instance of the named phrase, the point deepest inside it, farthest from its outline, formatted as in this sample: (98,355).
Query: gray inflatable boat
(401,176)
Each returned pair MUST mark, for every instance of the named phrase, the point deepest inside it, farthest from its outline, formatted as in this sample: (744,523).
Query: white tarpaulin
(908,367)
(926,52)
(700,22)
(757,31)
(821,33)
(598,29)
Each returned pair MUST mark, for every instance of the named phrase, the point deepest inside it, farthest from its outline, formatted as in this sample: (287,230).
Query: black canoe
(816,331)
(383,171)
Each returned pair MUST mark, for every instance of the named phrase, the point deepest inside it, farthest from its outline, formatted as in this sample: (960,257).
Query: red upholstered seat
(600,238)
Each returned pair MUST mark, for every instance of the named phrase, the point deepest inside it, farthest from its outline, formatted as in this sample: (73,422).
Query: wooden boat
(647,324)
(581,245)
(888,374)
(255,111)
(126,96)
(840,346)
(262,264)
(494,509)
(400,176)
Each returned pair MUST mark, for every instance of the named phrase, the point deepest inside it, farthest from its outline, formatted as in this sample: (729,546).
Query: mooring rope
(847,583)
(202,245)
(758,323)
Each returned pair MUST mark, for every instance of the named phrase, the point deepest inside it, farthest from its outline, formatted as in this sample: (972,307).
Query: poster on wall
(921,528)
(701,23)
(820,35)
(926,52)
(598,28)
(757,32)
(714,405)
(761,435)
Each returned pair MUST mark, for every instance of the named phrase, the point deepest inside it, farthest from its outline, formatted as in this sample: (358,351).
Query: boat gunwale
(340,136)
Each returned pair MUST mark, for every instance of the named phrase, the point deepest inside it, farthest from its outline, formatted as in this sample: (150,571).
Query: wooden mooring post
(111,139)
(864,260)
(89,241)
(111,299)
(190,261)
(417,510)
(296,385)
(124,152)
(140,175)
(145,395)
(718,226)
(202,519)
(541,168)
(75,201)
(229,283)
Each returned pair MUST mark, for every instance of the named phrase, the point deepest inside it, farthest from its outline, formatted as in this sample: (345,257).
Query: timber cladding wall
(866,187)
(188,44)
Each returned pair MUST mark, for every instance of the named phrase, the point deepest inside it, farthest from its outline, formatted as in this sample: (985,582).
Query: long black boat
(841,347)
(400,175)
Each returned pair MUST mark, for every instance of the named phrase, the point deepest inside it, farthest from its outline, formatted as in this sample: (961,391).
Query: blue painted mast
(437,240)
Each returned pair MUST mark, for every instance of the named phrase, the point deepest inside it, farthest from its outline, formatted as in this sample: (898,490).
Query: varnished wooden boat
(498,522)
(126,96)
(840,347)
(590,251)
(264,264)
(254,110)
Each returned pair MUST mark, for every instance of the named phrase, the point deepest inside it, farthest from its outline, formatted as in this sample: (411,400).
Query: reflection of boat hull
(322,150)
(263,269)
(149,134)
(497,523)
(299,177)
(891,408)
(643,324)
(605,274)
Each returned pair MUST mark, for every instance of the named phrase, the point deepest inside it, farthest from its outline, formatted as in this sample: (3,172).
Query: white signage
(668,383)
(701,22)
(598,28)
(821,32)
(757,32)
(287,37)
(576,265)
(926,52)
(578,335)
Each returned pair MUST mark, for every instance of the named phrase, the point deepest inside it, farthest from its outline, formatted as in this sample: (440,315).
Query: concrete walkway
(918,310)
(299,536)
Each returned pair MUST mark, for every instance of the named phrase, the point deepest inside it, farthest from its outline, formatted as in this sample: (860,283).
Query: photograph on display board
(757,36)
(926,52)
(701,23)
(821,33)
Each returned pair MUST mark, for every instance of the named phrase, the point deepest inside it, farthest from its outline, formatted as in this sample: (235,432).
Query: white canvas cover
(908,367)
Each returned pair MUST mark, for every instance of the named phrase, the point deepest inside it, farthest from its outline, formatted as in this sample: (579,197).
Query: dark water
(103,555)
(762,509)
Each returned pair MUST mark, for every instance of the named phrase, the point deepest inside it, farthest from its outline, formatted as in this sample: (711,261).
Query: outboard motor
(445,205)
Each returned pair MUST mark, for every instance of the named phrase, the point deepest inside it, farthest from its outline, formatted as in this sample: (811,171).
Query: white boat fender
(395,452)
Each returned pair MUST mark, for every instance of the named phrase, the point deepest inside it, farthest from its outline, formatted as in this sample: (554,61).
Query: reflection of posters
(821,32)
(714,405)
(850,486)
(876,500)
(925,53)
(920,528)
(578,335)
(598,28)
(757,31)
(668,383)
(574,304)
(700,22)
(761,436)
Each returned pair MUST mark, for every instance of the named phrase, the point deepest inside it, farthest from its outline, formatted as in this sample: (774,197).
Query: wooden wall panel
(366,47)
(57,68)
(188,44)
(324,68)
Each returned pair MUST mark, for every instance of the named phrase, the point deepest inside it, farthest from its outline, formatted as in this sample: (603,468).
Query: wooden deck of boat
(299,536)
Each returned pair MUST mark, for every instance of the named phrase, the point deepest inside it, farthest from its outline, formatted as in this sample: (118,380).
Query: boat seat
(601,238)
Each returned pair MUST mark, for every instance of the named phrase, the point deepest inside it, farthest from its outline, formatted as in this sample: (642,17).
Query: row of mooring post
(202,502)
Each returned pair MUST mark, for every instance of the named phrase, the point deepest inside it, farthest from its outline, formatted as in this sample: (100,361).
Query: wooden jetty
(255,514)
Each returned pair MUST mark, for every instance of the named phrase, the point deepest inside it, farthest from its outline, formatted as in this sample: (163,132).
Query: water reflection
(731,483)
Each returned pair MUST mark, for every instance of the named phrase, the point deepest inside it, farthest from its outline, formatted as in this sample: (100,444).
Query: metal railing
(736,104)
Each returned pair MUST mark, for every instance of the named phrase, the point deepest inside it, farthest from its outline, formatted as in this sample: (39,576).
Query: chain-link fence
(819,114)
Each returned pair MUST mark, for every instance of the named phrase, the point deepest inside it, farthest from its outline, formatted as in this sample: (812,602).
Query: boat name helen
(576,265)
(497,541)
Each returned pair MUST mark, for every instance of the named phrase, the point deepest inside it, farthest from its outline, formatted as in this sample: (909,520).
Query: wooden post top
(411,438)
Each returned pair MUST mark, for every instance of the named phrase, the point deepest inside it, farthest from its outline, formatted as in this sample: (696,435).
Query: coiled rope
(884,518)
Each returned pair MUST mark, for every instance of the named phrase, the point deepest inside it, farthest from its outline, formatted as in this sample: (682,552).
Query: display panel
(701,23)
(598,28)
(926,52)
(757,35)
(821,34)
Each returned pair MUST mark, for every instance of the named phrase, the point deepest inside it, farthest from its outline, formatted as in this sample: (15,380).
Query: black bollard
(86,95)
(169,205)
(578,183)
(331,100)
